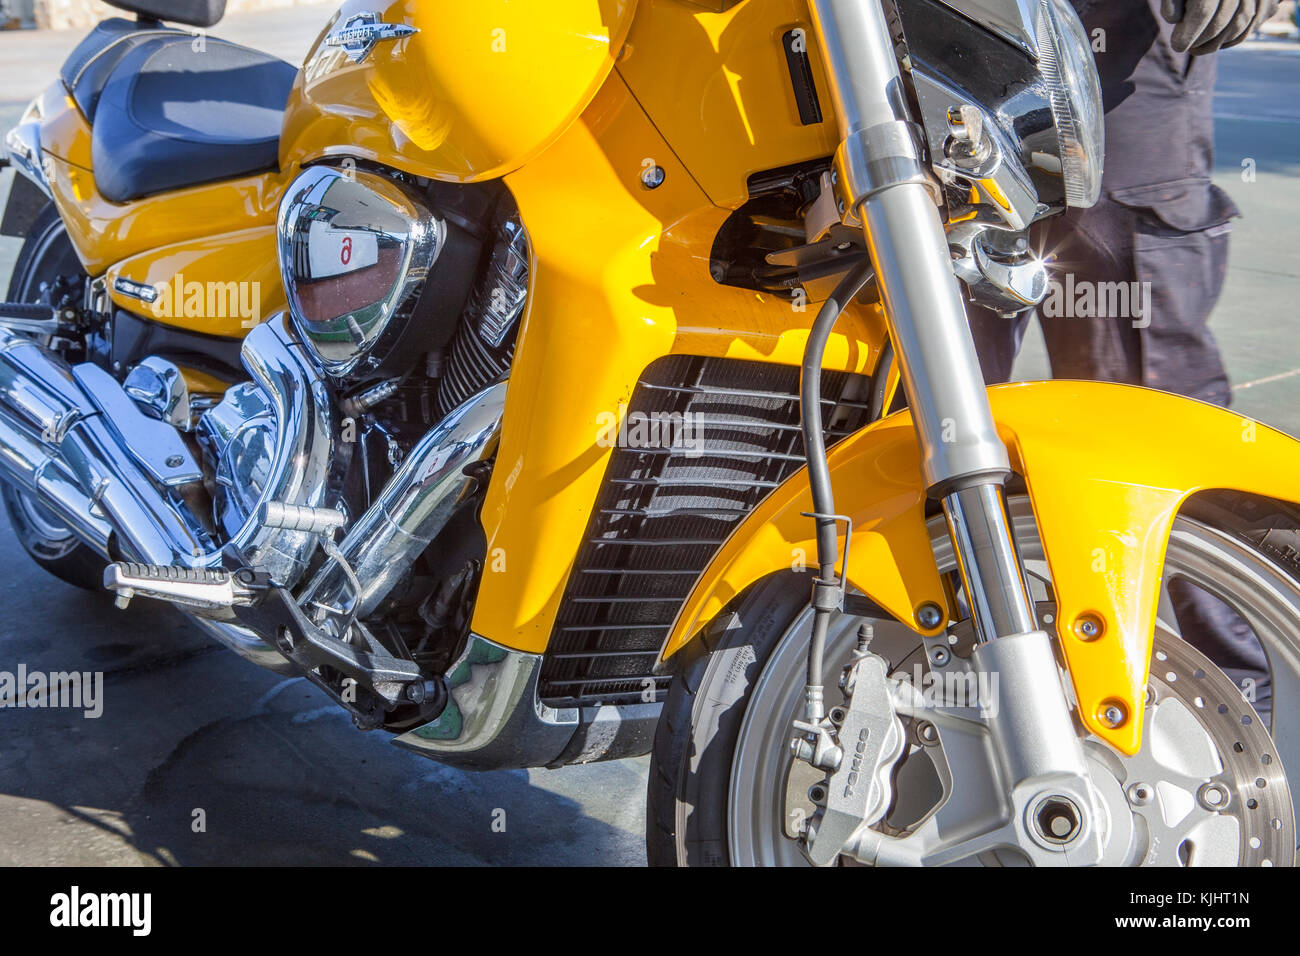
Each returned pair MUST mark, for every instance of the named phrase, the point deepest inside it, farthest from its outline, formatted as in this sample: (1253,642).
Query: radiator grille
(663,511)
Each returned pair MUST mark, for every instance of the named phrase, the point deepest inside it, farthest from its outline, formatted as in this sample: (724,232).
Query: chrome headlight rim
(1074,92)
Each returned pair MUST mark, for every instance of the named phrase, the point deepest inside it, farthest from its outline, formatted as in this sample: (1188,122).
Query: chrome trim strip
(136,290)
(493,719)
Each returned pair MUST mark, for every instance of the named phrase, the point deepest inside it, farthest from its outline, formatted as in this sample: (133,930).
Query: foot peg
(208,589)
(29,317)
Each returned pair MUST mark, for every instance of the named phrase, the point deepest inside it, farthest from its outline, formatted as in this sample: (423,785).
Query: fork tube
(990,569)
(881,177)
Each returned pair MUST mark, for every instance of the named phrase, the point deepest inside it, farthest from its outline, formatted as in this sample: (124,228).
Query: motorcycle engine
(407,294)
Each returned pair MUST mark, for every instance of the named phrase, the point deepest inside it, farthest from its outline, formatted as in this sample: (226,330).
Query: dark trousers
(1137,275)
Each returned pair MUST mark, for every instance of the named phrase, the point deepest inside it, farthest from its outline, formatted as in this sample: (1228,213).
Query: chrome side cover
(493,717)
(354,249)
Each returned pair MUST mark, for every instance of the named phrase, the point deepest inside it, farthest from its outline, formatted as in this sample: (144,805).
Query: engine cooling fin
(663,512)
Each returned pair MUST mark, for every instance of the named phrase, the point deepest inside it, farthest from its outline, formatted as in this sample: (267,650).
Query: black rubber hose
(814,443)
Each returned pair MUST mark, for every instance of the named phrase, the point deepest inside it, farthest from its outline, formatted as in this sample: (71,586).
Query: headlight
(1065,61)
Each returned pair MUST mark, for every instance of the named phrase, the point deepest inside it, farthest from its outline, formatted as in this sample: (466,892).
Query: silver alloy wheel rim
(1268,599)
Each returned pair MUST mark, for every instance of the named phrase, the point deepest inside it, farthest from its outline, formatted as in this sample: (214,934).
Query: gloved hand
(1204,26)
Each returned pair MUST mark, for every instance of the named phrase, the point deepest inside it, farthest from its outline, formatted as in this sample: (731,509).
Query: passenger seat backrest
(88,67)
(194,13)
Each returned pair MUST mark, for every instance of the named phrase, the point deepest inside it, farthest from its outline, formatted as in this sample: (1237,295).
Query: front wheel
(1207,788)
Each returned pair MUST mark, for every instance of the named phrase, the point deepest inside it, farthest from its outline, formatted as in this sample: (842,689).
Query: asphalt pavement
(201,758)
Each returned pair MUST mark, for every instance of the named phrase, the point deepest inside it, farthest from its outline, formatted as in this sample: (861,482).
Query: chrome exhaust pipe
(57,442)
(58,446)
(414,506)
(61,442)
(245,643)
(31,468)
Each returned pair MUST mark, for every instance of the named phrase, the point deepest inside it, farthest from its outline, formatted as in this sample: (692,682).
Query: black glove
(1204,26)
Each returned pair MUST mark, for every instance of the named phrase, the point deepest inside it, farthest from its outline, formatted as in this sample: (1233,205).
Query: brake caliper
(869,739)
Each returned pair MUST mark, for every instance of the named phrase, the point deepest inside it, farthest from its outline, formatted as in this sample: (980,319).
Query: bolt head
(652,177)
(1088,627)
(1140,794)
(1213,796)
(1112,715)
(929,615)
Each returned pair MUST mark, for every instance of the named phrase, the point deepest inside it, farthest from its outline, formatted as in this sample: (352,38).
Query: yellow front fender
(1107,466)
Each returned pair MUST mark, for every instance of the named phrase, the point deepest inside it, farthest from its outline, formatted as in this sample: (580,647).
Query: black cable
(814,442)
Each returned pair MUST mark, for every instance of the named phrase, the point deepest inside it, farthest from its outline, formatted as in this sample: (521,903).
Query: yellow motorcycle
(558,382)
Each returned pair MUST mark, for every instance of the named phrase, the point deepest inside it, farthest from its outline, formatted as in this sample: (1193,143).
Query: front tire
(744,672)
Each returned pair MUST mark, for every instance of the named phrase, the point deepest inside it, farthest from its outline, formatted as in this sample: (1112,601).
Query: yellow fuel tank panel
(220,285)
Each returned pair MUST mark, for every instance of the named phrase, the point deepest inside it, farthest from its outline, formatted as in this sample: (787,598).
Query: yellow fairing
(620,277)
(221,285)
(722,98)
(1107,466)
(483,86)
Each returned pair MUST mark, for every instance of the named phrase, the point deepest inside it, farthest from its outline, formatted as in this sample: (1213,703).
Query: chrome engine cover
(355,249)
(238,437)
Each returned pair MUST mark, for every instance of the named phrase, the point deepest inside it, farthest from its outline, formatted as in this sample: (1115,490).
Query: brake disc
(1207,788)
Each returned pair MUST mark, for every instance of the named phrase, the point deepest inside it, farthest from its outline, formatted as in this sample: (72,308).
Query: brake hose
(819,475)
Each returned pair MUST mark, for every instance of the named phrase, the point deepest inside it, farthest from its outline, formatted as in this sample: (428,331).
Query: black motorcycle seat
(90,65)
(178,110)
